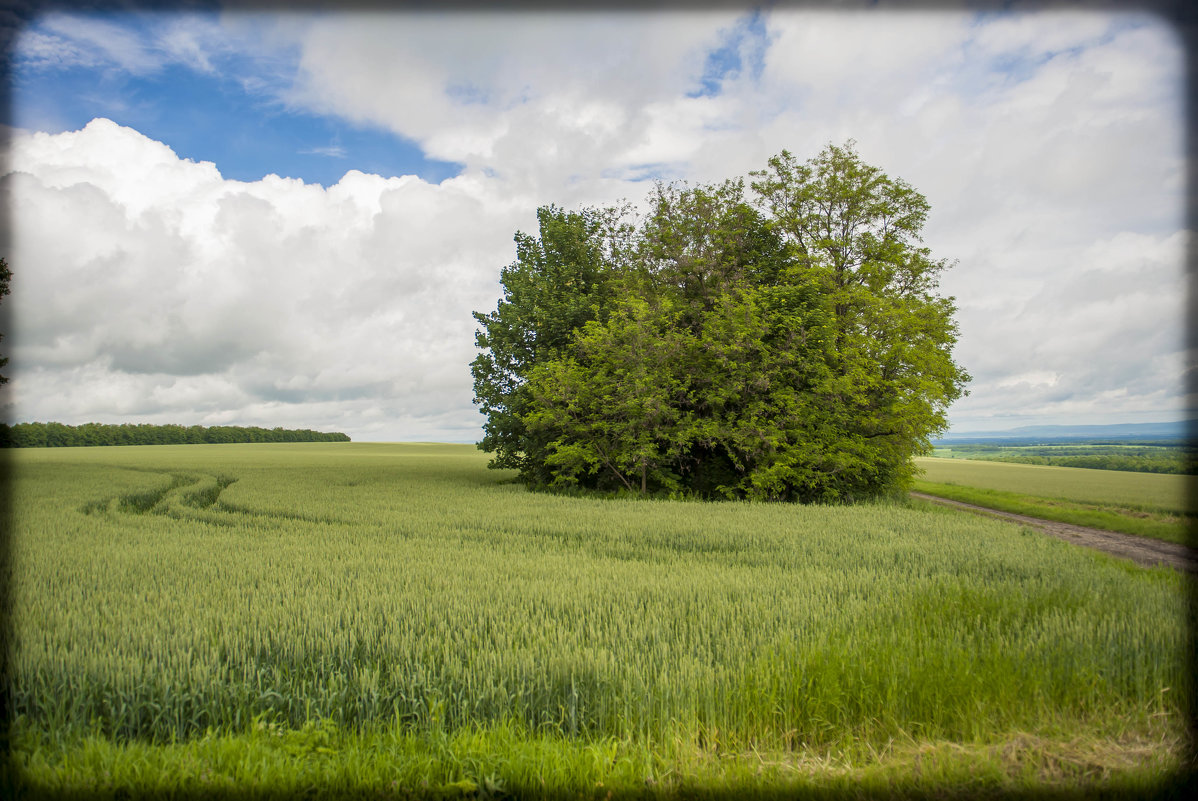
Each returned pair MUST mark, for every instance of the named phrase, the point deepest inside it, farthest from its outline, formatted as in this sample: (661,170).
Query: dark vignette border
(1182,15)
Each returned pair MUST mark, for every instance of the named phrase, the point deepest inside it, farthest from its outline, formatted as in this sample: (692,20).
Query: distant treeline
(1140,456)
(58,435)
(1176,464)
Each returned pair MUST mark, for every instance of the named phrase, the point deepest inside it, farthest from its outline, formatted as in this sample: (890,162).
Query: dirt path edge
(1144,551)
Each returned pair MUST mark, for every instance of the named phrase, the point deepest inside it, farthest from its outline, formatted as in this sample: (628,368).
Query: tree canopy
(783,342)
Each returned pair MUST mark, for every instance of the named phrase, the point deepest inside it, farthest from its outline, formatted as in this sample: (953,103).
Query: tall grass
(162,592)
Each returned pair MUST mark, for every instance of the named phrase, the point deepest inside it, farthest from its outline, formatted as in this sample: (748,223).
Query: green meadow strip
(321,761)
(1157,525)
(1140,492)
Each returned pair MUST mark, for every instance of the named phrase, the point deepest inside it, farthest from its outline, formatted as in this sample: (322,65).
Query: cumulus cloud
(1049,145)
(534,97)
(163,290)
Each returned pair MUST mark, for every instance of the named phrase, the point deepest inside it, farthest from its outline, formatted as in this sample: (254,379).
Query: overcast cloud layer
(149,288)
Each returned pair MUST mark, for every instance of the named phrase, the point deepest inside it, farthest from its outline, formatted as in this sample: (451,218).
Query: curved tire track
(191,490)
(1144,551)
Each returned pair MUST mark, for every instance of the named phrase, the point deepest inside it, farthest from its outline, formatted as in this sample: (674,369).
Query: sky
(231,218)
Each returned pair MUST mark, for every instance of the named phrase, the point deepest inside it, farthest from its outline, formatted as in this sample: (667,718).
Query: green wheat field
(401,620)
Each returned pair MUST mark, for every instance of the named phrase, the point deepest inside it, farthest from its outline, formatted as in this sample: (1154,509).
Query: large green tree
(561,279)
(610,407)
(790,346)
(857,233)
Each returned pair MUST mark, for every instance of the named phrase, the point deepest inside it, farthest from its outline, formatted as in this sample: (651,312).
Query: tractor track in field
(1144,551)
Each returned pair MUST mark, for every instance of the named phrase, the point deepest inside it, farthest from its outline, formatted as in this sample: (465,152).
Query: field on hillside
(308,598)
(1148,504)
(1143,456)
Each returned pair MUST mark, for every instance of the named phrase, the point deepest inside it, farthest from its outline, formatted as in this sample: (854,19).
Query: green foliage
(559,281)
(789,348)
(612,408)
(57,435)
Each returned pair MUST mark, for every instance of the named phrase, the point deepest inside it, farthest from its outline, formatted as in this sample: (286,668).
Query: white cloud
(530,95)
(1038,36)
(1035,378)
(191,41)
(332,151)
(94,41)
(1051,148)
(48,51)
(166,291)
(1101,334)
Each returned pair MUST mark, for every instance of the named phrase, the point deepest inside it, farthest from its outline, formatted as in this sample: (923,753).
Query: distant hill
(1175,430)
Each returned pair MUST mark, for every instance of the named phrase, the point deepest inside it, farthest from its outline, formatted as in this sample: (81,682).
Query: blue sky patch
(747,41)
(223,116)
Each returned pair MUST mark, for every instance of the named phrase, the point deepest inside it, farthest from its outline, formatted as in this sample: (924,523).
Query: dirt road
(1141,550)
